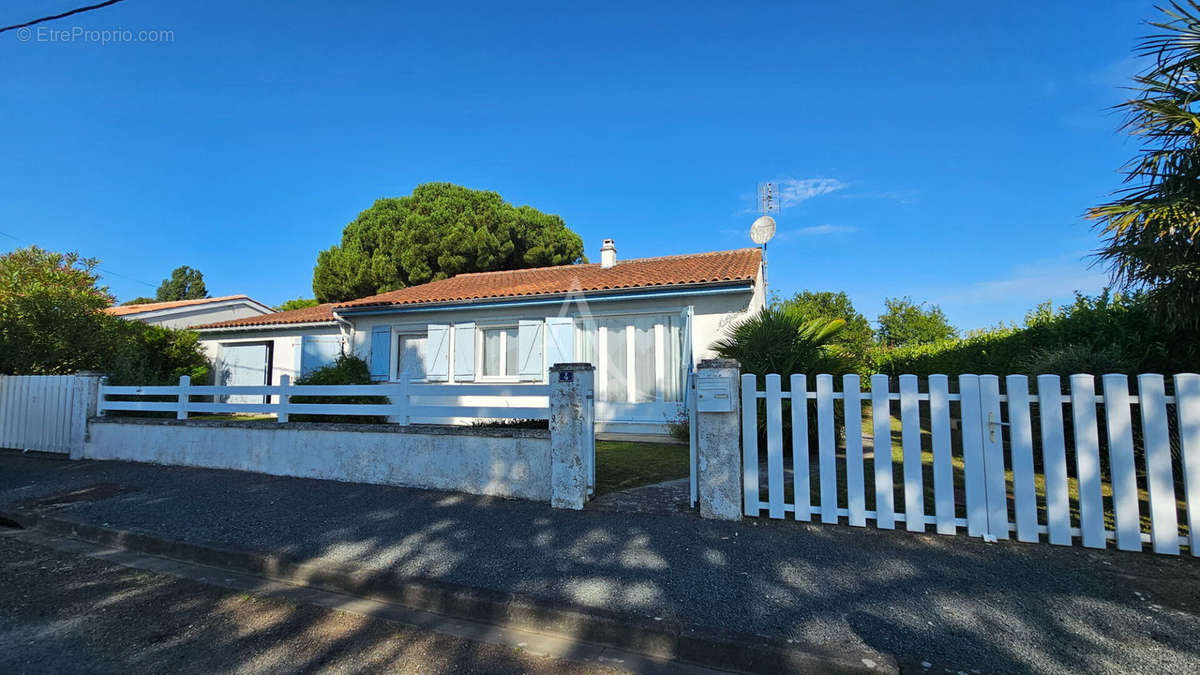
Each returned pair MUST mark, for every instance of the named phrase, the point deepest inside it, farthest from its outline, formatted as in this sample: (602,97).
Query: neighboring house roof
(675,270)
(315,314)
(126,310)
(741,265)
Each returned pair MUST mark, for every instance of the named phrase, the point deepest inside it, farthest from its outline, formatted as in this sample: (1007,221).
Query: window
(410,357)
(499,352)
(638,359)
(585,331)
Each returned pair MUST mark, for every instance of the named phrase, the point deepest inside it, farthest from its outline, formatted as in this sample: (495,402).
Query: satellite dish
(762,230)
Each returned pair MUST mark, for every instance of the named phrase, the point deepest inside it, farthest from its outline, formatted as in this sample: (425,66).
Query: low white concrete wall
(500,462)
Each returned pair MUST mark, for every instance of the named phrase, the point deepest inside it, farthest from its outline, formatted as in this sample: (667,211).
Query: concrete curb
(660,639)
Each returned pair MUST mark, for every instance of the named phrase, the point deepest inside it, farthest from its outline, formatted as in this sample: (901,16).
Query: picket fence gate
(985,485)
(43,412)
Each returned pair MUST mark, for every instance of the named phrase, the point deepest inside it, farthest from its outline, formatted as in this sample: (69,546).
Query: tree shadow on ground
(950,601)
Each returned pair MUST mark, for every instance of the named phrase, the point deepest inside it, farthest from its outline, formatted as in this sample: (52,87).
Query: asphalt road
(950,602)
(65,613)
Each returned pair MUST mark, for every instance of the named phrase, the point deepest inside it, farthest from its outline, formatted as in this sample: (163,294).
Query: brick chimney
(608,254)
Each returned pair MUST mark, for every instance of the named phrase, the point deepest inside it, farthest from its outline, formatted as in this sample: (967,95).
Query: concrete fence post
(86,405)
(718,439)
(571,430)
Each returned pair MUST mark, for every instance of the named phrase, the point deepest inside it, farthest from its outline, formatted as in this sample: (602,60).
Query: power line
(122,276)
(99,269)
(60,16)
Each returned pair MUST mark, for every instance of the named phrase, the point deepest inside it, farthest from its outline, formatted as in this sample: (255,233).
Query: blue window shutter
(464,352)
(560,340)
(381,352)
(529,343)
(437,353)
(318,352)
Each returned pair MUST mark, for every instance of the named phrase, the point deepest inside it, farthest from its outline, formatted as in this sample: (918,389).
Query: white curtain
(511,352)
(673,368)
(491,352)
(644,358)
(586,329)
(616,350)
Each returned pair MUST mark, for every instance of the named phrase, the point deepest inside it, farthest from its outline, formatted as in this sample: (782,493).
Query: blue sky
(943,150)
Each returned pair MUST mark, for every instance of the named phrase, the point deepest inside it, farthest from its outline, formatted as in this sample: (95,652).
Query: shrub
(144,354)
(680,427)
(347,369)
(1067,360)
(514,423)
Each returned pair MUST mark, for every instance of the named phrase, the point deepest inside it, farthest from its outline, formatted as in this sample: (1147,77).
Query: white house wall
(712,315)
(285,359)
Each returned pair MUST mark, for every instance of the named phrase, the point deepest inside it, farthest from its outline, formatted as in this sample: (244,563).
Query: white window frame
(480,329)
(404,331)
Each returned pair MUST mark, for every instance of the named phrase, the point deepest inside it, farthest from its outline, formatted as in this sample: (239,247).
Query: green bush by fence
(345,370)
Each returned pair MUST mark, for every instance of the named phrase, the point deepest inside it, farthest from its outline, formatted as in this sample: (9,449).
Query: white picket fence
(407,401)
(43,412)
(995,504)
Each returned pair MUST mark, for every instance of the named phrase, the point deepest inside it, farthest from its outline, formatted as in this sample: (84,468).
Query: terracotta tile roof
(314,314)
(123,310)
(676,270)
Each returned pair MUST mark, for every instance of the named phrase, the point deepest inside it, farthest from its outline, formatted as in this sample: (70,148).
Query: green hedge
(1104,333)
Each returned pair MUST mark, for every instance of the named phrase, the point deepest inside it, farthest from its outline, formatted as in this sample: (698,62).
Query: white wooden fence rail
(42,412)
(406,401)
(995,493)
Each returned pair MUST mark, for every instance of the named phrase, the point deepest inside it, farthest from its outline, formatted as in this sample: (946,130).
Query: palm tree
(1151,229)
(778,340)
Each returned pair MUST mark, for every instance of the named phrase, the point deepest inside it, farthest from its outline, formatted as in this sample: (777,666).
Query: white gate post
(718,439)
(571,433)
(181,411)
(285,397)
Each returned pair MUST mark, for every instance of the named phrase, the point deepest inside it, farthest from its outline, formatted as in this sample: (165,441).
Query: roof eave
(600,295)
(263,326)
(199,306)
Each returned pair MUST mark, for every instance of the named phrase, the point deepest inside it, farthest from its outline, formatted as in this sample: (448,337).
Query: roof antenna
(763,228)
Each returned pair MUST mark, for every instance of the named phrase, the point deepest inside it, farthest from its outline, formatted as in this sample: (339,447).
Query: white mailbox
(714,393)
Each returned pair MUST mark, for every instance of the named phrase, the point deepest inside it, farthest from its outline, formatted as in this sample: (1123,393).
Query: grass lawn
(622,464)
